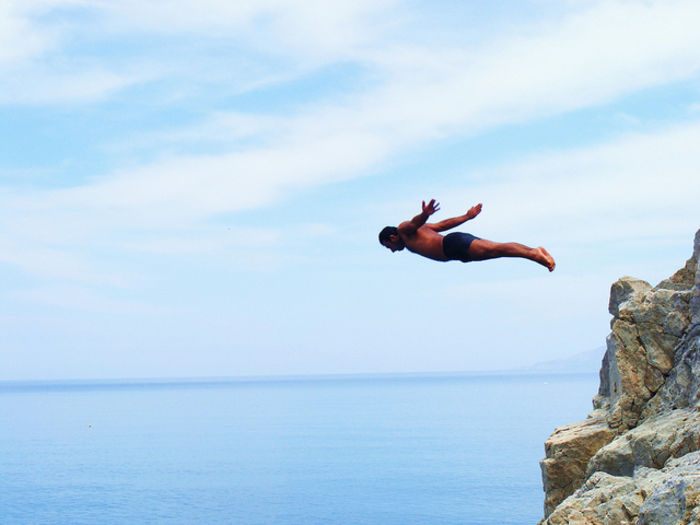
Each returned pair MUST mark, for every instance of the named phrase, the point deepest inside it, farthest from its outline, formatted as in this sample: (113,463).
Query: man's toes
(548,259)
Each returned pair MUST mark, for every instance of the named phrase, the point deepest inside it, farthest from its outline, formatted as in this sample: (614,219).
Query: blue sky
(195,188)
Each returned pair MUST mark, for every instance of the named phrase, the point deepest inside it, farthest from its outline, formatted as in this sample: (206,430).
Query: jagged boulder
(640,349)
(666,496)
(651,444)
(635,458)
(568,451)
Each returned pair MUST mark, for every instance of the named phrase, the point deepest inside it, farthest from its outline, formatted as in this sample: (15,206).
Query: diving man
(425,239)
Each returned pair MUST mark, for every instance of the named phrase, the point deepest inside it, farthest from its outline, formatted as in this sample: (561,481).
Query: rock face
(636,458)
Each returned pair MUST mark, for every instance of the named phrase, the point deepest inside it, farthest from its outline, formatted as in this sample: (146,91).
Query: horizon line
(274,378)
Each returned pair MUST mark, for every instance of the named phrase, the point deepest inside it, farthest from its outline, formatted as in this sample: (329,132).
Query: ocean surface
(401,449)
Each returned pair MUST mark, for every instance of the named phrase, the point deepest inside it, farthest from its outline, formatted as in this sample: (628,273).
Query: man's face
(395,244)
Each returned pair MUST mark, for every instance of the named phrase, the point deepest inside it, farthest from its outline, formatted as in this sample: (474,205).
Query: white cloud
(65,297)
(423,93)
(562,62)
(203,243)
(647,182)
(312,30)
(35,67)
(221,128)
(593,56)
(640,188)
(636,187)
(588,58)
(62,262)
(18,39)
(38,85)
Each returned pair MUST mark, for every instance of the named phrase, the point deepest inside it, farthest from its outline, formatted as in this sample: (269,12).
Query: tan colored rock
(667,496)
(624,289)
(651,444)
(682,385)
(636,459)
(647,328)
(568,451)
(603,499)
(673,492)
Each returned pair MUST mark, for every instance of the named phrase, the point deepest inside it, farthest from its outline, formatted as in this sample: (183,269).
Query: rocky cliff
(636,458)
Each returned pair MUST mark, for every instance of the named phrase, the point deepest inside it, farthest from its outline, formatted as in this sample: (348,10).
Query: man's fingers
(432,206)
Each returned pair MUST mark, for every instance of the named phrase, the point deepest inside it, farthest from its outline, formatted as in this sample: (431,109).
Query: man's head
(389,238)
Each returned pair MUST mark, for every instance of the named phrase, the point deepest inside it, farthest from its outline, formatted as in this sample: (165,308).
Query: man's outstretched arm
(448,224)
(410,227)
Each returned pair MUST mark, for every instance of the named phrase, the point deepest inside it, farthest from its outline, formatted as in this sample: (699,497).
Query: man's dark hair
(384,234)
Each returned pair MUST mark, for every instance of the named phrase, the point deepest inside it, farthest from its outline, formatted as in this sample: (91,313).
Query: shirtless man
(424,239)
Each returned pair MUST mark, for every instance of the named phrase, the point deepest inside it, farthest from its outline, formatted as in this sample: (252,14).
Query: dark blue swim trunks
(456,246)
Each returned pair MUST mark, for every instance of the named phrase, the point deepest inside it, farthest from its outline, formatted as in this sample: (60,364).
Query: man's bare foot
(542,256)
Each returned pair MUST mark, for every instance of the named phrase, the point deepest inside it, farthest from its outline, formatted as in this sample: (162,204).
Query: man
(425,239)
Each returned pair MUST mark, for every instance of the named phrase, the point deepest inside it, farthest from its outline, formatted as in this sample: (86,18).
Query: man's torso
(425,242)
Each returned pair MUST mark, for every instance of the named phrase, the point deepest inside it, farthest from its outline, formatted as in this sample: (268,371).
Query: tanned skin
(424,238)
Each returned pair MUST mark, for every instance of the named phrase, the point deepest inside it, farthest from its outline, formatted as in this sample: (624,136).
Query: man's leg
(481,250)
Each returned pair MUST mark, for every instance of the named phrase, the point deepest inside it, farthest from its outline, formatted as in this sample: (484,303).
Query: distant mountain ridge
(582,362)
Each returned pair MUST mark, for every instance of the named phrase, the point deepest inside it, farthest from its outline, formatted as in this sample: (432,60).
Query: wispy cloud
(591,57)
(637,186)
(596,193)
(38,66)
(314,30)
(424,94)
(19,40)
(214,159)
(40,86)
(203,243)
(85,299)
(63,263)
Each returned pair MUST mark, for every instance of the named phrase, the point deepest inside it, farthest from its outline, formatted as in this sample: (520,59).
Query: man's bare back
(424,239)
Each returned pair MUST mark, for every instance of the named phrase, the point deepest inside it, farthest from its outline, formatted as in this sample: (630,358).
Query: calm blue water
(354,450)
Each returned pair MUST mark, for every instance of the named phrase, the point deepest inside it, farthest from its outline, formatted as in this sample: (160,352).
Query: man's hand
(431,208)
(409,228)
(473,211)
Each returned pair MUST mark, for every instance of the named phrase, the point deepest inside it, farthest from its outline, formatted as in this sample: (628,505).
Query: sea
(360,449)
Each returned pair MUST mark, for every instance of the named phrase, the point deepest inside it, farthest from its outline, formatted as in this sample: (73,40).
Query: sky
(194,189)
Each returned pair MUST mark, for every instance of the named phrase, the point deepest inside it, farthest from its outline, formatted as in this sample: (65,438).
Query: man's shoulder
(427,229)
(406,228)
